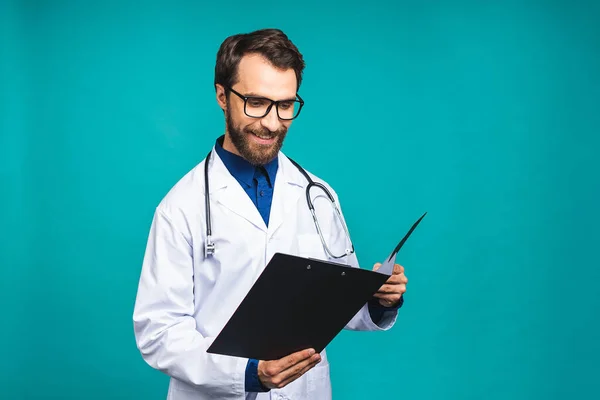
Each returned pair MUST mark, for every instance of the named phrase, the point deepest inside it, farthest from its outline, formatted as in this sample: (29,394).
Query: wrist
(253,381)
(261,375)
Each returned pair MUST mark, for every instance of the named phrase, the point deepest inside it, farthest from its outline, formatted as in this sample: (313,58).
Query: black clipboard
(298,303)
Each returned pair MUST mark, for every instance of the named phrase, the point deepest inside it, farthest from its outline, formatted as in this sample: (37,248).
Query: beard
(255,153)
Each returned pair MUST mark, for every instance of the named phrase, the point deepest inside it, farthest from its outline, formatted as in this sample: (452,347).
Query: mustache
(266,132)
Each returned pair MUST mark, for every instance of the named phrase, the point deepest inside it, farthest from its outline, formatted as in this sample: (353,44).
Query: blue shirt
(258,183)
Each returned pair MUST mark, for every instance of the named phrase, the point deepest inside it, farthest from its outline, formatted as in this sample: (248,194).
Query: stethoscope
(209,248)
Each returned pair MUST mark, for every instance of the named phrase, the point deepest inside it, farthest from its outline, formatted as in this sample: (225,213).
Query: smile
(264,139)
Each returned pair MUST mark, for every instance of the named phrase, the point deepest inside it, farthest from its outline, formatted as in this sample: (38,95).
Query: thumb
(376,266)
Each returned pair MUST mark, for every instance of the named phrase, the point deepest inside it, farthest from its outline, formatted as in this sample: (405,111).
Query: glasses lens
(288,109)
(257,107)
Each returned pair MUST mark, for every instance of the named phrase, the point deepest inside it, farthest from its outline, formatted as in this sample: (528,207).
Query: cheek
(236,110)
(240,120)
(250,124)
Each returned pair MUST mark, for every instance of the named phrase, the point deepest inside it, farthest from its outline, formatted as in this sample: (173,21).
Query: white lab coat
(185,299)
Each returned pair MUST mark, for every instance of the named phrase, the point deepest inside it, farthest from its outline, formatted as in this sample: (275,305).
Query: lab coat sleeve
(165,329)
(362,321)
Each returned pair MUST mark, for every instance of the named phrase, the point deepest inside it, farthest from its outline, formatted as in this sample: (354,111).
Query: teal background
(484,114)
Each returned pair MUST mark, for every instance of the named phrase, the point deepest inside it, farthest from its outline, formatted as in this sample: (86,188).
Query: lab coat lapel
(289,185)
(226,190)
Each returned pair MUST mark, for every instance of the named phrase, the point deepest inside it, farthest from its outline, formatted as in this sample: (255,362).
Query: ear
(221,96)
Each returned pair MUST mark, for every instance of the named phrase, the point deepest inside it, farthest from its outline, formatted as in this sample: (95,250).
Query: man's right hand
(279,373)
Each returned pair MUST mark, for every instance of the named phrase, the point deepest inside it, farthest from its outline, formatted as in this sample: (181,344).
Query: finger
(397,279)
(390,297)
(294,377)
(314,361)
(398,269)
(388,289)
(389,300)
(377,266)
(385,289)
(297,370)
(391,289)
(293,359)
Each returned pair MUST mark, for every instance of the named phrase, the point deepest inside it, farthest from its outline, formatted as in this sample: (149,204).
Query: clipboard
(299,303)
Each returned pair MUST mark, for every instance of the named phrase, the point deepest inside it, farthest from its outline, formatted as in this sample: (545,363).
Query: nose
(271,120)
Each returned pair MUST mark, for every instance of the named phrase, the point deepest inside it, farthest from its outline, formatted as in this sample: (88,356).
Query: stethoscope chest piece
(209,247)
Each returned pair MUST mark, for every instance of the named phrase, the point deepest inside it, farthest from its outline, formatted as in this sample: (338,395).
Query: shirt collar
(241,169)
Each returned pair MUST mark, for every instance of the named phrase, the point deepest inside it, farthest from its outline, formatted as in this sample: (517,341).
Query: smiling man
(200,261)
(256,134)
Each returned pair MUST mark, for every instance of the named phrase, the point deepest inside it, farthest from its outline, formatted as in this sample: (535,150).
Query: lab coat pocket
(310,245)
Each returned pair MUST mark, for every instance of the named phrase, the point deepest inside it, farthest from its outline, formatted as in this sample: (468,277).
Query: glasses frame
(273,102)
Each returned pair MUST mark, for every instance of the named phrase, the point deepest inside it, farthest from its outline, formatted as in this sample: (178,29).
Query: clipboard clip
(326,261)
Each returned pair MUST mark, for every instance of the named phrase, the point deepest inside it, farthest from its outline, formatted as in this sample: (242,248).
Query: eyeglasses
(258,107)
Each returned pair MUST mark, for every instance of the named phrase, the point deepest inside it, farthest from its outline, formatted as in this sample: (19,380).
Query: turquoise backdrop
(484,114)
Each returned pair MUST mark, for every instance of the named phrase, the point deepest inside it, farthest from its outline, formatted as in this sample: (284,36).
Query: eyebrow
(253,94)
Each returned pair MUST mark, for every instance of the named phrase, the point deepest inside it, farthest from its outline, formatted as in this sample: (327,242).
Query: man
(258,207)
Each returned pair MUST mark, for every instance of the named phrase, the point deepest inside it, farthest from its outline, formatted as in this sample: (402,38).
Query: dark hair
(272,44)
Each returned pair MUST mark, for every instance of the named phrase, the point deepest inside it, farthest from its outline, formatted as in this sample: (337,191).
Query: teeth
(264,137)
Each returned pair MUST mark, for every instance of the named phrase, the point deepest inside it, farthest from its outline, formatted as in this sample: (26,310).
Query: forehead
(259,77)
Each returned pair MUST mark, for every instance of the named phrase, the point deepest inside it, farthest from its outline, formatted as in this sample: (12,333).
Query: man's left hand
(392,290)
